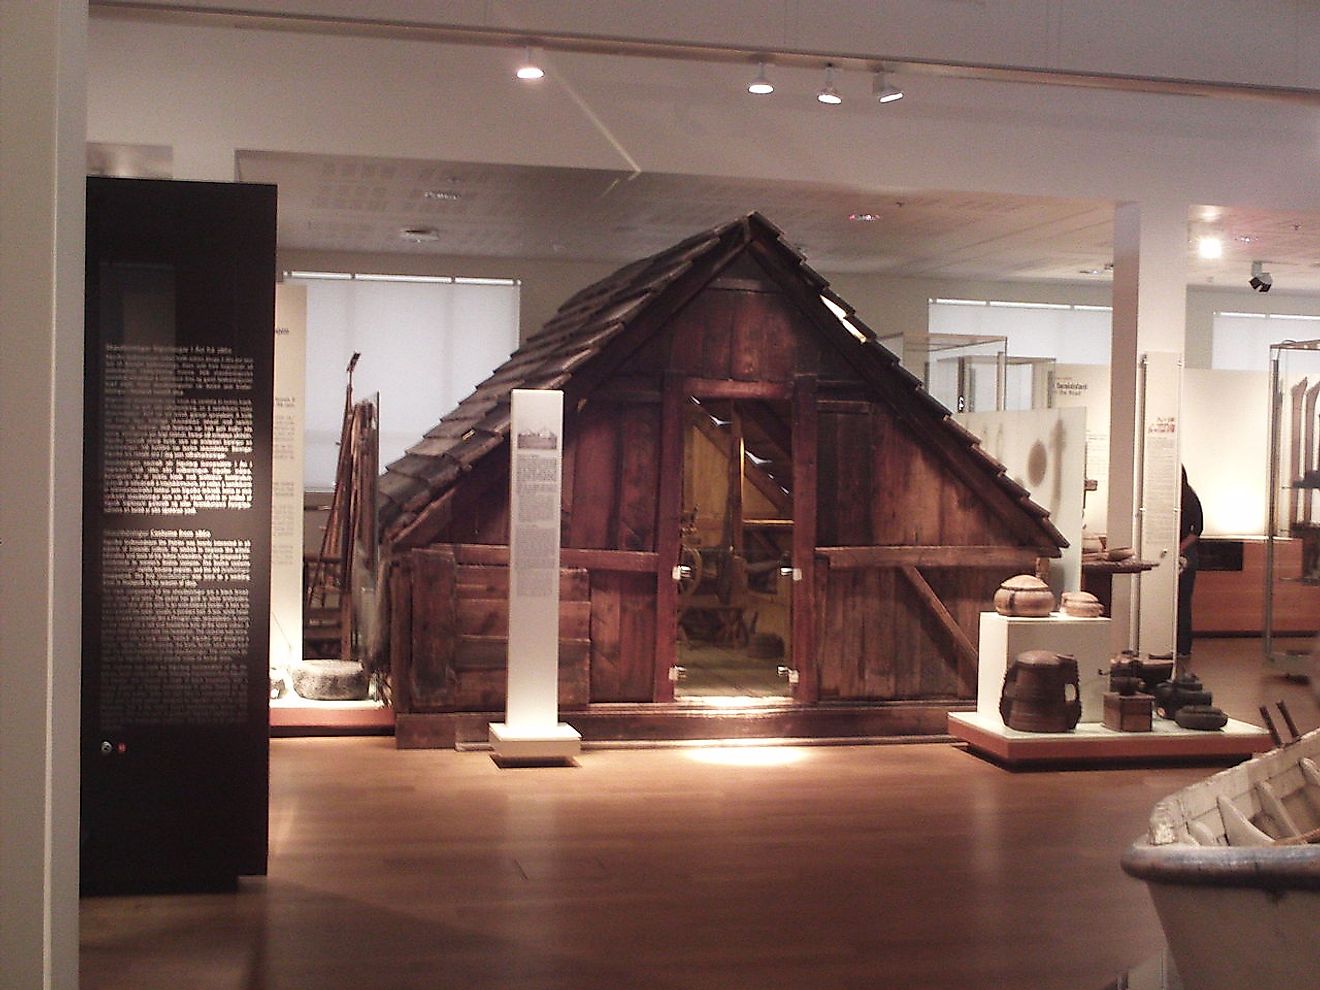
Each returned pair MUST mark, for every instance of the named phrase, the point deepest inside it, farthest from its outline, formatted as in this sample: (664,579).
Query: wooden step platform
(664,723)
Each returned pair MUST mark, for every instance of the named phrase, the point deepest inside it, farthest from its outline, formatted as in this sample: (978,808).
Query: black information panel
(176,534)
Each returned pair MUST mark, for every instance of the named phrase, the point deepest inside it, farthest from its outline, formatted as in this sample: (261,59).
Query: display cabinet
(1293,505)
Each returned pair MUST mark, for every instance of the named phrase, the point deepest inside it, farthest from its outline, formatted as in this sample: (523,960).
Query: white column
(286,522)
(1150,315)
(531,728)
(42,193)
(205,161)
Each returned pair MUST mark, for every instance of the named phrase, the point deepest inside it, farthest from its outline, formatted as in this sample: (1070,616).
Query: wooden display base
(664,723)
(309,718)
(1092,742)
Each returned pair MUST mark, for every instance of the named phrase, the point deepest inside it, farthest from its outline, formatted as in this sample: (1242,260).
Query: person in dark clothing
(1193,521)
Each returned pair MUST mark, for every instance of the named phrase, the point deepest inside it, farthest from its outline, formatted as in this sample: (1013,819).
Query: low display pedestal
(1093,742)
(556,742)
(1004,637)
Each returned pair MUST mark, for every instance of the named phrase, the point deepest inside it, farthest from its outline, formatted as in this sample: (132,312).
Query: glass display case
(1292,548)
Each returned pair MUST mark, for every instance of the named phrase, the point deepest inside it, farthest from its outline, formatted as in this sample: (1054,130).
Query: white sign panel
(1161,490)
(1043,450)
(531,727)
(286,517)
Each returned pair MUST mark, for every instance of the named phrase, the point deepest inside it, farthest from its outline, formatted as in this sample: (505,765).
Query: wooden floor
(831,868)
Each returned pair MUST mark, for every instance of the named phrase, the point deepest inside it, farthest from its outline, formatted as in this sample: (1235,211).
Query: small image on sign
(540,440)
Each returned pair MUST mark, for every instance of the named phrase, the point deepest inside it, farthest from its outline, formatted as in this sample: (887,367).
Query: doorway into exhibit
(735,568)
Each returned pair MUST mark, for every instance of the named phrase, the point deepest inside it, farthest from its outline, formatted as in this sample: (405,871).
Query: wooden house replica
(768,526)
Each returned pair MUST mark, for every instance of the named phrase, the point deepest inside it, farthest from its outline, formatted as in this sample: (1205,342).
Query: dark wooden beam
(806,434)
(981,557)
(668,536)
(728,388)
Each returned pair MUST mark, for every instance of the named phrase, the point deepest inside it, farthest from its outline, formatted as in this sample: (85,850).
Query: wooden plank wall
(740,334)
(878,640)
(622,636)
(879,486)
(879,635)
(614,484)
(458,648)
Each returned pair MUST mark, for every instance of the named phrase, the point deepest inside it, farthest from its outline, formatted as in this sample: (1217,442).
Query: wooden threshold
(680,721)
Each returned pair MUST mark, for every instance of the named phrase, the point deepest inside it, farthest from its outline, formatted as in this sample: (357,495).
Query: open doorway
(735,585)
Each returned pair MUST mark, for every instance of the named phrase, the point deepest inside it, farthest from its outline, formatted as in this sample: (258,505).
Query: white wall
(41,324)
(545,285)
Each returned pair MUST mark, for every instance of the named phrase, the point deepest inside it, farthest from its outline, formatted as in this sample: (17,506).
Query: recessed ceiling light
(1244,239)
(419,234)
(529,69)
(1209,247)
(863,217)
(445,195)
(828,94)
(760,86)
(883,90)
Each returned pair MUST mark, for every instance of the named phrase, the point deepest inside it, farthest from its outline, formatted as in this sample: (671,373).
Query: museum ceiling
(387,205)
(342,203)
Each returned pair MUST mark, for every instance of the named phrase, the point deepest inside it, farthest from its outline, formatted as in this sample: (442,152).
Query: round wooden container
(1041,692)
(1024,595)
(1081,605)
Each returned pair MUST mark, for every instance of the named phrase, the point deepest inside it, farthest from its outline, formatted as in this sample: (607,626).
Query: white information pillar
(286,516)
(1161,491)
(1150,315)
(531,729)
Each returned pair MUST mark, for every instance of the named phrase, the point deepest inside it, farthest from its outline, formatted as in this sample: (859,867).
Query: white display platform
(1092,741)
(561,741)
(1004,637)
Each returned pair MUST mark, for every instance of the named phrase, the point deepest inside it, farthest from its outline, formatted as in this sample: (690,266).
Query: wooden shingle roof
(584,326)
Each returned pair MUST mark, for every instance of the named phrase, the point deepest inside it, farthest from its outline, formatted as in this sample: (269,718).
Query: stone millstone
(330,680)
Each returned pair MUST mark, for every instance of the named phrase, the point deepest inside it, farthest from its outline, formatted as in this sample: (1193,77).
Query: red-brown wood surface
(596,470)
(434,626)
(400,585)
(460,626)
(639,476)
(668,537)
(805,513)
(846,478)
(622,635)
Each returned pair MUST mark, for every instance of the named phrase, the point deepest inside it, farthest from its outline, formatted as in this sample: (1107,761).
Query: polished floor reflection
(915,867)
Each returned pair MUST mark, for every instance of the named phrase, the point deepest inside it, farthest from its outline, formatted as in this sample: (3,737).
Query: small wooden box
(1128,712)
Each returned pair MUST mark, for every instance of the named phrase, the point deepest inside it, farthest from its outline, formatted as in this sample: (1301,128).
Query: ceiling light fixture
(529,69)
(1209,247)
(419,234)
(760,86)
(442,195)
(828,94)
(863,217)
(1261,280)
(883,90)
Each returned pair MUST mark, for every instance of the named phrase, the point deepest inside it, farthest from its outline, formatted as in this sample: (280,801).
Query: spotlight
(1261,281)
(828,94)
(883,90)
(760,86)
(1209,247)
(529,69)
